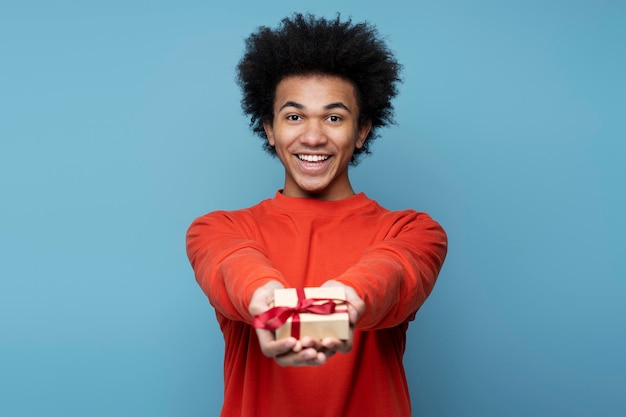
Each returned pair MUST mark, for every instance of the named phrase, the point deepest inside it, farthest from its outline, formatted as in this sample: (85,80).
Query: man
(317,90)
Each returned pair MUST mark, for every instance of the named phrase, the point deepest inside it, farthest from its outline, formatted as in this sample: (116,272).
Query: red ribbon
(275,317)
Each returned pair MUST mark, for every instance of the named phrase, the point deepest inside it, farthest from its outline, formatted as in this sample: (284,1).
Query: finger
(331,343)
(309,342)
(272,347)
(306,357)
(345,347)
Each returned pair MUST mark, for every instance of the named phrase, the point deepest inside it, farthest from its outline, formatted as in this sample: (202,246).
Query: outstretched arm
(228,264)
(396,275)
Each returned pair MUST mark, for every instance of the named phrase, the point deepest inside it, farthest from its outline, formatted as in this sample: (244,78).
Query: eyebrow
(336,105)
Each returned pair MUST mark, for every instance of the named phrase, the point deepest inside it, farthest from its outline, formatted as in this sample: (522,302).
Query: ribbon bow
(275,317)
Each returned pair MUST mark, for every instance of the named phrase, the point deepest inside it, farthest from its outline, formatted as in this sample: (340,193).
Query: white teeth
(313,158)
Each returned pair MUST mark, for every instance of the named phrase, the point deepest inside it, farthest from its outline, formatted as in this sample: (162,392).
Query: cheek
(280,147)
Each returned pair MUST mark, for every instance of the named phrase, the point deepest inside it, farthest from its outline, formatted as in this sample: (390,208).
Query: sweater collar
(325,207)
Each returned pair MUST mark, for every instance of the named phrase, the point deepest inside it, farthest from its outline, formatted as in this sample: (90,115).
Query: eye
(293,117)
(334,118)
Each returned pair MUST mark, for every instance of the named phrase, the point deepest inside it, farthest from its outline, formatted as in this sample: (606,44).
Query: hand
(356,308)
(290,351)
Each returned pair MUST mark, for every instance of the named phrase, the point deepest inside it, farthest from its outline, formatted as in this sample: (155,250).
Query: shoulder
(409,221)
(408,215)
(243,219)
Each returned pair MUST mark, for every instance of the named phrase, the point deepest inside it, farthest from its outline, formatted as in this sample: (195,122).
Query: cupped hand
(356,308)
(289,351)
(306,351)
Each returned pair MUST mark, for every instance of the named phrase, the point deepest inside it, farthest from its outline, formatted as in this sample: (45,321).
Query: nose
(313,133)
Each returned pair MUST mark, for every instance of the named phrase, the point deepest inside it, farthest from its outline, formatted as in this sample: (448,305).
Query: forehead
(316,90)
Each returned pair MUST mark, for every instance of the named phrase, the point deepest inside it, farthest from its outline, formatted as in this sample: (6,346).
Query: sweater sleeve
(229,265)
(396,275)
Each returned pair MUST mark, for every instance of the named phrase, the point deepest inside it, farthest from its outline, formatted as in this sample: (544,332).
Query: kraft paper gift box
(316,326)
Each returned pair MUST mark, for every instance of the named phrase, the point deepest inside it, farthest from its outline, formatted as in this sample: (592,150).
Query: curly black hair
(304,44)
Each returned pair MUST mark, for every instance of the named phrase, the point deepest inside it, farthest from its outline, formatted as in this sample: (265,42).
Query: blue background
(120,123)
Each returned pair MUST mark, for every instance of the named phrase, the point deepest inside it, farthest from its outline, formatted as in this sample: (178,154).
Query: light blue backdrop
(120,123)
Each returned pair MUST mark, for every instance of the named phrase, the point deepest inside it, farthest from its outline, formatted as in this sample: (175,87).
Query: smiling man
(317,91)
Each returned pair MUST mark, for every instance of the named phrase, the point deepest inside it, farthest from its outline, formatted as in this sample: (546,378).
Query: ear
(362,133)
(269,131)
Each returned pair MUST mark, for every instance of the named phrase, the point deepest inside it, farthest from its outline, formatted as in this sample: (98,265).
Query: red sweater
(391,259)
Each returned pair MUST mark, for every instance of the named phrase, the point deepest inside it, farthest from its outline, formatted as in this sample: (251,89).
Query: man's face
(315,131)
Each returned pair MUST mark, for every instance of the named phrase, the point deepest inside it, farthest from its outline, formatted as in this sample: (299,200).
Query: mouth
(313,158)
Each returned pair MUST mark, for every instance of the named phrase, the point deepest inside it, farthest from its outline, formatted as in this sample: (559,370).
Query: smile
(313,158)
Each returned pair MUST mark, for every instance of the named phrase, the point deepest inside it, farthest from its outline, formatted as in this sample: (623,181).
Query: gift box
(323,312)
